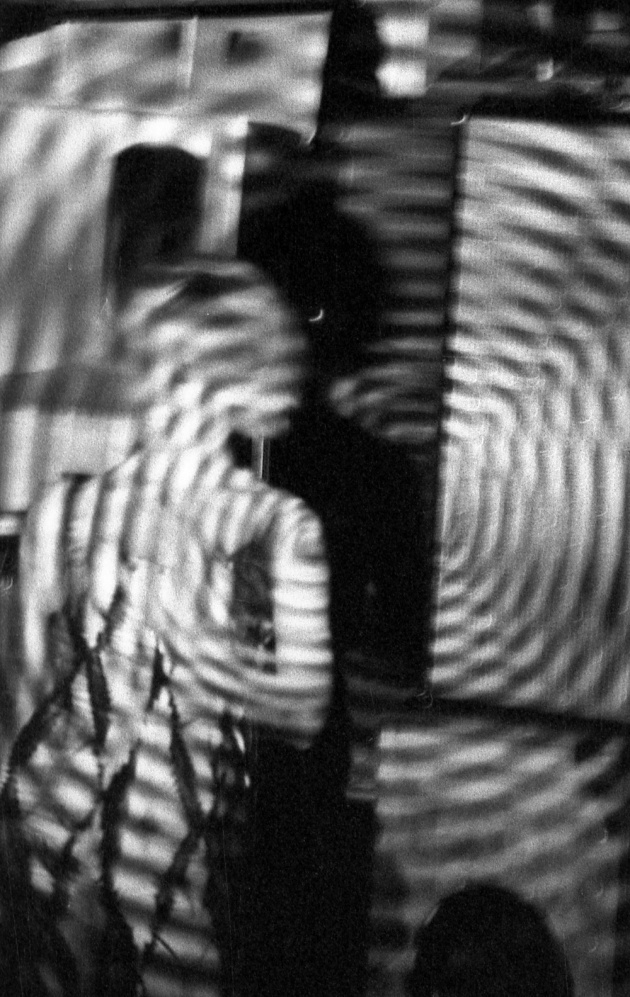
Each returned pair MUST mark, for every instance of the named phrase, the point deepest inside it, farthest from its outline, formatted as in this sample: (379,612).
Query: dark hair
(485,941)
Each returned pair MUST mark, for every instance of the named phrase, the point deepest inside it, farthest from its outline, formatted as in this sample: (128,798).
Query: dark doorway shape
(154,214)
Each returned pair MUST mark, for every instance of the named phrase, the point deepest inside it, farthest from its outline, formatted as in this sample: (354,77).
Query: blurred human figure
(485,941)
(174,609)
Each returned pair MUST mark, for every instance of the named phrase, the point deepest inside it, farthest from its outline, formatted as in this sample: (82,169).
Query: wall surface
(512,766)
(510,761)
(73,97)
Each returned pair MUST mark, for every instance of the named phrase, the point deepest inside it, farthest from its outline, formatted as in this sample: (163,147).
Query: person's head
(212,336)
(485,941)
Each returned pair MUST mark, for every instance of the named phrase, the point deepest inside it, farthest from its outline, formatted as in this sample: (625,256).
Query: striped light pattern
(265,67)
(422,40)
(56,421)
(403,30)
(531,581)
(269,69)
(54,184)
(454,39)
(189,605)
(533,590)
(74,97)
(396,181)
(60,410)
(158,8)
(534,808)
(508,42)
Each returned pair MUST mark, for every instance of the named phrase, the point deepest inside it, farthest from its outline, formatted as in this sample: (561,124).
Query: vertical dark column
(312,875)
(154,211)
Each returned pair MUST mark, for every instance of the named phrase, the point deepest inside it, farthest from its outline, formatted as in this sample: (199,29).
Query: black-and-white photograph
(314,498)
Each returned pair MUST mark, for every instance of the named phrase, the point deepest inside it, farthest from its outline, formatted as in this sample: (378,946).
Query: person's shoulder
(273,510)
(299,529)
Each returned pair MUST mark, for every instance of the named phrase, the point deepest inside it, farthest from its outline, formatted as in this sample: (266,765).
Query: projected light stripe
(534,808)
(534,591)
(397,181)
(55,177)
(265,67)
(189,611)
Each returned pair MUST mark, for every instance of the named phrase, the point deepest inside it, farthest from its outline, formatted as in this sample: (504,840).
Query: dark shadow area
(389,932)
(307,894)
(314,843)
(512,40)
(9,633)
(485,941)
(19,22)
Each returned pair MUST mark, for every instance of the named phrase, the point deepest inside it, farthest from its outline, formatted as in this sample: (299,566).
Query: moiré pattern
(58,410)
(73,97)
(172,609)
(125,811)
(533,590)
(535,807)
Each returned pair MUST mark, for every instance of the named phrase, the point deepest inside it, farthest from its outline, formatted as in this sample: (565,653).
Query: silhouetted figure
(484,941)
(311,883)
(21,21)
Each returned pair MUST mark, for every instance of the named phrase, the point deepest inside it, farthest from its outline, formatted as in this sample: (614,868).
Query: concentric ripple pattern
(533,594)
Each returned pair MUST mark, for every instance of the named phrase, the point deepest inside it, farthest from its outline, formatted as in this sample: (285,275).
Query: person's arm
(294,699)
(287,687)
